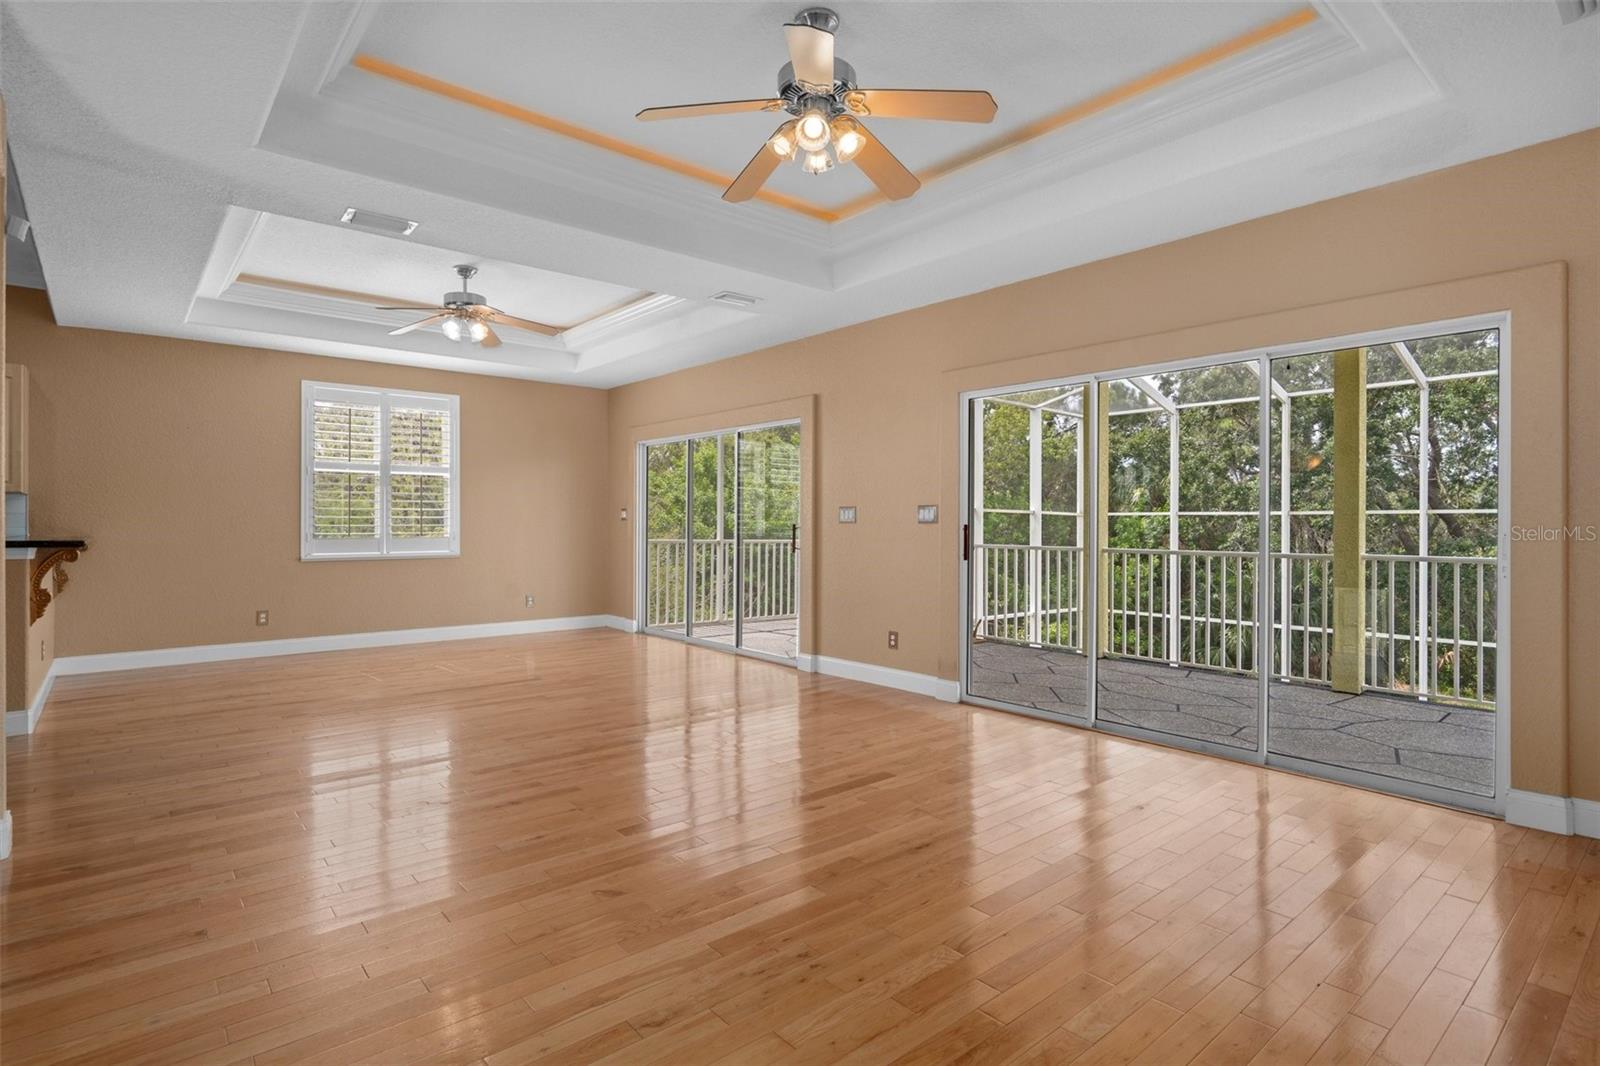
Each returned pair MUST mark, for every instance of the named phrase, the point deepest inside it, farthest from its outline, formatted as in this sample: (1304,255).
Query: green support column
(1349,517)
(1102,519)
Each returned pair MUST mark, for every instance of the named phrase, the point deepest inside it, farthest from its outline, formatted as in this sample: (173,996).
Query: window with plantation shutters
(379,474)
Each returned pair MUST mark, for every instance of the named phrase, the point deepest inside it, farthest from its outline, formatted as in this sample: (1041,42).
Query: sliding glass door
(720,549)
(1027,576)
(1385,496)
(1290,558)
(1179,455)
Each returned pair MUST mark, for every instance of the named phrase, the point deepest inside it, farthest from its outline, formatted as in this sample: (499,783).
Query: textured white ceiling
(543,56)
(339,257)
(147,135)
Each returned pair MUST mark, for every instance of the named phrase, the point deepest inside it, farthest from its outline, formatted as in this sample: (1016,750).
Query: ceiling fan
(820,91)
(464,316)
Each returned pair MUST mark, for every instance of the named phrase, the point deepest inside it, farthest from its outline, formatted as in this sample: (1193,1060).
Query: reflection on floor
(774,636)
(1427,743)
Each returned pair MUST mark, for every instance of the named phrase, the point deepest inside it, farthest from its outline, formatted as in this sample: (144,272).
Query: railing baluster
(1372,617)
(1432,631)
(1391,624)
(1455,627)
(1477,632)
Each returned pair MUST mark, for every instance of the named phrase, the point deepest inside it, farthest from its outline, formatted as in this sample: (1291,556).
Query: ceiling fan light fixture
(823,94)
(811,133)
(848,138)
(477,330)
(452,328)
(783,143)
(817,162)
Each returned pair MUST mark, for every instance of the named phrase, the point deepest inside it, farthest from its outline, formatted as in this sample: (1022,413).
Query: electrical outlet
(41,651)
(527,601)
(623,514)
(894,638)
(261,618)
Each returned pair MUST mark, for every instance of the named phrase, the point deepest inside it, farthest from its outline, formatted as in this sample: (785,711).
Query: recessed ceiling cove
(186,166)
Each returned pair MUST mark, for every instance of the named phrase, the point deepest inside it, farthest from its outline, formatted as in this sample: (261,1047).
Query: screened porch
(1221,545)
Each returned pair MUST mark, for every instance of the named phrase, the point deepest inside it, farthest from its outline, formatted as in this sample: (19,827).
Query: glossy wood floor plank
(593,847)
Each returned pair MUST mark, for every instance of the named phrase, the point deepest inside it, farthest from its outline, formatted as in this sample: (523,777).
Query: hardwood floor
(599,847)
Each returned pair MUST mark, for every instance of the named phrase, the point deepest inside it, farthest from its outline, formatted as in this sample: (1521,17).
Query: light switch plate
(927,513)
(847,514)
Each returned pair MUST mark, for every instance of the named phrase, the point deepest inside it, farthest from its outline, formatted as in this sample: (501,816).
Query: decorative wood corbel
(52,562)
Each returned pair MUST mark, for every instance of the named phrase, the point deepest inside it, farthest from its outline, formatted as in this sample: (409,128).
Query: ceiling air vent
(372,222)
(1573,10)
(736,299)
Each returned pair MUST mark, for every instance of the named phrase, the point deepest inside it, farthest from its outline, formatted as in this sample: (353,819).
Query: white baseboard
(5,835)
(258,649)
(1586,818)
(26,720)
(887,676)
(1536,810)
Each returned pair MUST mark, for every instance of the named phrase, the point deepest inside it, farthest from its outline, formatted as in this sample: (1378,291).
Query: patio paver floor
(1427,743)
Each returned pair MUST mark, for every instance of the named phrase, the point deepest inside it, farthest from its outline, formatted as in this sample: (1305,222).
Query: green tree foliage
(768,463)
(1219,466)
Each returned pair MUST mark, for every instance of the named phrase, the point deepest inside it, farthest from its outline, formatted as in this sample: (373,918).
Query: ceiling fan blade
(811,52)
(949,105)
(754,175)
(430,320)
(491,339)
(436,308)
(887,173)
(524,323)
(720,107)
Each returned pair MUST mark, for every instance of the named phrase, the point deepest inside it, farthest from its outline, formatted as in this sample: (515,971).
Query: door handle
(794,534)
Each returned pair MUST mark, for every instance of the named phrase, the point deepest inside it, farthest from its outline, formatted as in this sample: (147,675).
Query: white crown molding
(622,320)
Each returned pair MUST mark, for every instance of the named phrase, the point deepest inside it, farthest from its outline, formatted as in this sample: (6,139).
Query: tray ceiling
(169,150)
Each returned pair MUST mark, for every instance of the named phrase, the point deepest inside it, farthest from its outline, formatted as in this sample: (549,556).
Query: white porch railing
(1430,620)
(1191,608)
(1030,595)
(770,573)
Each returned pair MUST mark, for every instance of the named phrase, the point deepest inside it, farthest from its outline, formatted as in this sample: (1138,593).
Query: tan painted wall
(1456,242)
(179,462)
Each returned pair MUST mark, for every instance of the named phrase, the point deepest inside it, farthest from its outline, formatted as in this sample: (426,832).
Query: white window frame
(383,546)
